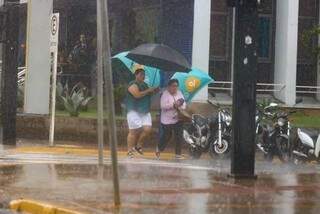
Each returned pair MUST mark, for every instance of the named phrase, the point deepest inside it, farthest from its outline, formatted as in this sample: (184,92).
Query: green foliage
(262,104)
(119,95)
(74,99)
(59,93)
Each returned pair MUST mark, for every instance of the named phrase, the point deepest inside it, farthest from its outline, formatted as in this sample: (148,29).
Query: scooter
(306,146)
(197,135)
(209,134)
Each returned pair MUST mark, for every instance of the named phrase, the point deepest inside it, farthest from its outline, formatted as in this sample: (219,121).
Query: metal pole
(244,90)
(100,116)
(104,64)
(233,43)
(54,40)
(10,71)
(53,99)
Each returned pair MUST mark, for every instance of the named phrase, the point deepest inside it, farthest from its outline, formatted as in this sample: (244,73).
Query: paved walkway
(69,176)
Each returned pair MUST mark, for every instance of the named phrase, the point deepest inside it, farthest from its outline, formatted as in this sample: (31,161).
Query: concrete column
(201,41)
(37,82)
(286,46)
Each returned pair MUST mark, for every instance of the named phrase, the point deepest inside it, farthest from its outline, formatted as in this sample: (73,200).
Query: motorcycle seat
(311,132)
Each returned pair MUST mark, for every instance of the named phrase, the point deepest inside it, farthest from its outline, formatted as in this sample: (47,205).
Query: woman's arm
(184,105)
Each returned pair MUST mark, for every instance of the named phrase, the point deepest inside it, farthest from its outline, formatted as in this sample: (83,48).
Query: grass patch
(306,120)
(92,114)
(303,118)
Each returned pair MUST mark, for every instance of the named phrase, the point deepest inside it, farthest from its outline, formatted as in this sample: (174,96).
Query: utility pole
(9,42)
(104,65)
(244,88)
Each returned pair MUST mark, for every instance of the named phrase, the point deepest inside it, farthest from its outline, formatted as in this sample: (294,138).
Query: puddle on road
(157,188)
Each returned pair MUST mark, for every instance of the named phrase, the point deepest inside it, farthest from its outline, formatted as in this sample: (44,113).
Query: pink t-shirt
(169,115)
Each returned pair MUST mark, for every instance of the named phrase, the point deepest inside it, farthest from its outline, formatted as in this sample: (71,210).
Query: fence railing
(302,89)
(261,87)
(266,87)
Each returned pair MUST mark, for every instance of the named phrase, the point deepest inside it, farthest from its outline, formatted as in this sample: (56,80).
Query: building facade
(200,29)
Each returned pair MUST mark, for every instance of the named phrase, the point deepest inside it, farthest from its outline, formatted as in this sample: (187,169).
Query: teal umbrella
(124,67)
(191,83)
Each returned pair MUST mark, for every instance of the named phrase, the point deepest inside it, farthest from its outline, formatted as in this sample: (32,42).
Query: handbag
(183,115)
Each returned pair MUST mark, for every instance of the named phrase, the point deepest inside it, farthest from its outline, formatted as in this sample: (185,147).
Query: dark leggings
(166,132)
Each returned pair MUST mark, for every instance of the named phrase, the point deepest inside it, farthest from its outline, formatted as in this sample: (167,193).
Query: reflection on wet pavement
(169,187)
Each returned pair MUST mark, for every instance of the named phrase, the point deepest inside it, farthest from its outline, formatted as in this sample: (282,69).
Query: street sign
(54,32)
(54,42)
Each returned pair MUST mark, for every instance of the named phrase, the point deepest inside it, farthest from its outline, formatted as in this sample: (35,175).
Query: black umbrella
(159,56)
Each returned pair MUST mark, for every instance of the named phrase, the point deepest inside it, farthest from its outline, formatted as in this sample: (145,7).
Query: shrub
(75,99)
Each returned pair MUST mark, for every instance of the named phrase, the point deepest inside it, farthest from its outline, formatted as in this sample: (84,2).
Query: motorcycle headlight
(281,122)
(228,120)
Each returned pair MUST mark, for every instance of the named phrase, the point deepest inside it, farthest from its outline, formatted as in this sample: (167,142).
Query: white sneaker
(179,157)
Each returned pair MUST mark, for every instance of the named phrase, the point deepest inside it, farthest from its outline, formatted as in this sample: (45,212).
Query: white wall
(201,41)
(37,83)
(286,49)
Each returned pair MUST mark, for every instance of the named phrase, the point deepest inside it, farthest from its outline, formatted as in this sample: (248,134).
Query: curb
(35,207)
(58,150)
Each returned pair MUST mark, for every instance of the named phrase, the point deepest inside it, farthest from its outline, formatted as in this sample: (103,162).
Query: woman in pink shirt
(171,100)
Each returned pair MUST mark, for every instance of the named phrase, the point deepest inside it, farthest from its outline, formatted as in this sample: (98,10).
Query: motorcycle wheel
(195,153)
(219,151)
(283,149)
(268,156)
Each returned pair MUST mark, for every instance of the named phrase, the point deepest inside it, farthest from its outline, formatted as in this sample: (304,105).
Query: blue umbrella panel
(123,69)
(191,83)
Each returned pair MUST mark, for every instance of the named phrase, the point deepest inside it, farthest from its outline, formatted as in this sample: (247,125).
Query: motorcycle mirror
(213,104)
(273,105)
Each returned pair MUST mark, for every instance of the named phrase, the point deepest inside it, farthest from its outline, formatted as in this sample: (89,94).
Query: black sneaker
(138,150)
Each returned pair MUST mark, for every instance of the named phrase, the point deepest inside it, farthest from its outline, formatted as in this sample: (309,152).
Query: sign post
(54,40)
(244,88)
(104,66)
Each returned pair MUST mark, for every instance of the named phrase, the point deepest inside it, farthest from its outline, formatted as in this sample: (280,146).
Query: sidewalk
(68,176)
(80,149)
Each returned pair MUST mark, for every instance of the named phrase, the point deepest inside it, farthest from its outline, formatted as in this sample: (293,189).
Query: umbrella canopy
(124,68)
(191,83)
(159,56)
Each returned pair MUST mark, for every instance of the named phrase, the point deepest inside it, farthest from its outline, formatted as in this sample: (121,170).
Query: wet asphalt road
(150,186)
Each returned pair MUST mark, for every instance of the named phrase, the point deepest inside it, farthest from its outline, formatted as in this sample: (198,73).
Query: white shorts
(138,120)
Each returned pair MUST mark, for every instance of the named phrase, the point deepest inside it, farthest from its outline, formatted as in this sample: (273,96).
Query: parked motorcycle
(209,134)
(220,142)
(275,138)
(306,146)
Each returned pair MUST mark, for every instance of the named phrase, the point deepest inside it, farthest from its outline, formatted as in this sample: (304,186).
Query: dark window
(265,35)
